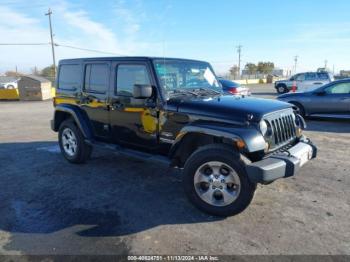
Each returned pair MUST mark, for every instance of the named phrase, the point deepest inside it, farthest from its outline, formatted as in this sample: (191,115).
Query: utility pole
(239,50)
(295,63)
(325,64)
(49,13)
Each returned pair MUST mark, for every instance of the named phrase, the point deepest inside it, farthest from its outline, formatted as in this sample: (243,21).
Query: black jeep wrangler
(173,111)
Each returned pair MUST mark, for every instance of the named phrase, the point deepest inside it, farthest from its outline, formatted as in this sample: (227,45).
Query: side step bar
(132,153)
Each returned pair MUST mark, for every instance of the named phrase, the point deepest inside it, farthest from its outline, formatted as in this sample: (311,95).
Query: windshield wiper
(183,92)
(208,89)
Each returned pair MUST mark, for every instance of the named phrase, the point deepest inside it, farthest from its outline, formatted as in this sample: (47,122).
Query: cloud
(91,33)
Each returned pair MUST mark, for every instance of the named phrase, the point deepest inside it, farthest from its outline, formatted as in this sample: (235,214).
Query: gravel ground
(118,205)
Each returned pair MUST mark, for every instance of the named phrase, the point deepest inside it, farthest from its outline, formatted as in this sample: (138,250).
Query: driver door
(134,122)
(332,99)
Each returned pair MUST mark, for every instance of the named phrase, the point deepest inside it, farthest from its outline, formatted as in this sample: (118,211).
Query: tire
(281,89)
(10,87)
(72,144)
(300,108)
(239,193)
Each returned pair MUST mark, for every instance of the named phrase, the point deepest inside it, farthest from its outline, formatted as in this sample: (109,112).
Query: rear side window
(69,77)
(130,75)
(96,78)
(310,76)
(322,76)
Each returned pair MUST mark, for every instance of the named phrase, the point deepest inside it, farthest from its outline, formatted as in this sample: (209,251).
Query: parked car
(7,82)
(173,111)
(331,100)
(304,82)
(234,88)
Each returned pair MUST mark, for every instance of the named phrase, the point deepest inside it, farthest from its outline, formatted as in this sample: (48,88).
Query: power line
(60,45)
(24,43)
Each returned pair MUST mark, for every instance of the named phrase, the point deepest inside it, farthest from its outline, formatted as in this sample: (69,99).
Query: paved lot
(116,205)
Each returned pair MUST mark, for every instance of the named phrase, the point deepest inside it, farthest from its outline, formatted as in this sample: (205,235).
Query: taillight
(233,91)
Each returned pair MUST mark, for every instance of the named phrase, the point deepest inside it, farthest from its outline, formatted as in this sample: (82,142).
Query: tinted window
(322,76)
(96,78)
(340,88)
(310,76)
(69,77)
(130,75)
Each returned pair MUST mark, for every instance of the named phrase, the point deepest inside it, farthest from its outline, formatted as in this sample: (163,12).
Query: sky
(208,30)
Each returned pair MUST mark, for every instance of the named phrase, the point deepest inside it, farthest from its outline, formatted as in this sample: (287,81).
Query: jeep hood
(229,107)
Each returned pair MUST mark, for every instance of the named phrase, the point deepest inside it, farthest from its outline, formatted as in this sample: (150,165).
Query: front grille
(283,128)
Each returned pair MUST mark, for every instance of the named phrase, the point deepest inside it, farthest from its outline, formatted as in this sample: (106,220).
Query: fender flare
(79,116)
(252,138)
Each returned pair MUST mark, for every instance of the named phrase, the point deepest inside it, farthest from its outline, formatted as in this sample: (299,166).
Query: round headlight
(263,127)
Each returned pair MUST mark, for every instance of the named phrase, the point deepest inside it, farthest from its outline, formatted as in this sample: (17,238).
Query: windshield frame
(165,93)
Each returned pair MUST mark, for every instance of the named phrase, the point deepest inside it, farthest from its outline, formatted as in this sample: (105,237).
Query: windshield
(182,75)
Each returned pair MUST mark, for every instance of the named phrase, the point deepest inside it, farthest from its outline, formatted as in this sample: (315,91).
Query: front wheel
(216,182)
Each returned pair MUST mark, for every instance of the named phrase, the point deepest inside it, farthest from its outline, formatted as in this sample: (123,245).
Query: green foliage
(234,71)
(265,67)
(48,72)
(252,68)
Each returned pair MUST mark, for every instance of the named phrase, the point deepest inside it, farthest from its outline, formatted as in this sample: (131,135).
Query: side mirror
(142,91)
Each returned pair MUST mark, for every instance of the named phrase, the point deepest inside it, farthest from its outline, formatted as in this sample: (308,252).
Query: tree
(48,72)
(13,73)
(251,68)
(266,67)
(234,70)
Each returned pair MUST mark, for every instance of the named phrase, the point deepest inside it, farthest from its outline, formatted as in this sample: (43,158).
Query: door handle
(116,106)
(317,83)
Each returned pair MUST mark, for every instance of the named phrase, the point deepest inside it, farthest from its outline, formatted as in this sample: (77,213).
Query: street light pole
(295,64)
(239,50)
(49,13)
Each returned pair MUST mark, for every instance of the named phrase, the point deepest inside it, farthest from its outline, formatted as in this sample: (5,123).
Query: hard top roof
(124,58)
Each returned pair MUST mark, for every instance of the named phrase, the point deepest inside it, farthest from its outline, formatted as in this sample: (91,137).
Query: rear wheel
(281,89)
(72,144)
(215,181)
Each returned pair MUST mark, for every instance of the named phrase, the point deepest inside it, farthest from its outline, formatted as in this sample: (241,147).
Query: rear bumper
(282,165)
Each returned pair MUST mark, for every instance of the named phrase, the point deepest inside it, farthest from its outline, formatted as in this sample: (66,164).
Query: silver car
(304,82)
(331,100)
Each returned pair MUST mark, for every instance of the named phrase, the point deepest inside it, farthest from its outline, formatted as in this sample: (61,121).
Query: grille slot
(283,128)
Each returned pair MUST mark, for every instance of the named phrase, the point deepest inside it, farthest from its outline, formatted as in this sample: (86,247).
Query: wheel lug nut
(223,181)
(211,180)
(221,187)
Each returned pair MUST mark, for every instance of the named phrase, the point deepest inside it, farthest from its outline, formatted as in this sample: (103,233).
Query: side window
(130,75)
(69,77)
(96,78)
(322,76)
(340,88)
(300,77)
(310,76)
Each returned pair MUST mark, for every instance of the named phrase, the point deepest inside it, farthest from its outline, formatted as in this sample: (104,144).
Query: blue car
(233,88)
(331,100)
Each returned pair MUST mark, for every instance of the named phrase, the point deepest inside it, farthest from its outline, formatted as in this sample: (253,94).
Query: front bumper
(282,165)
